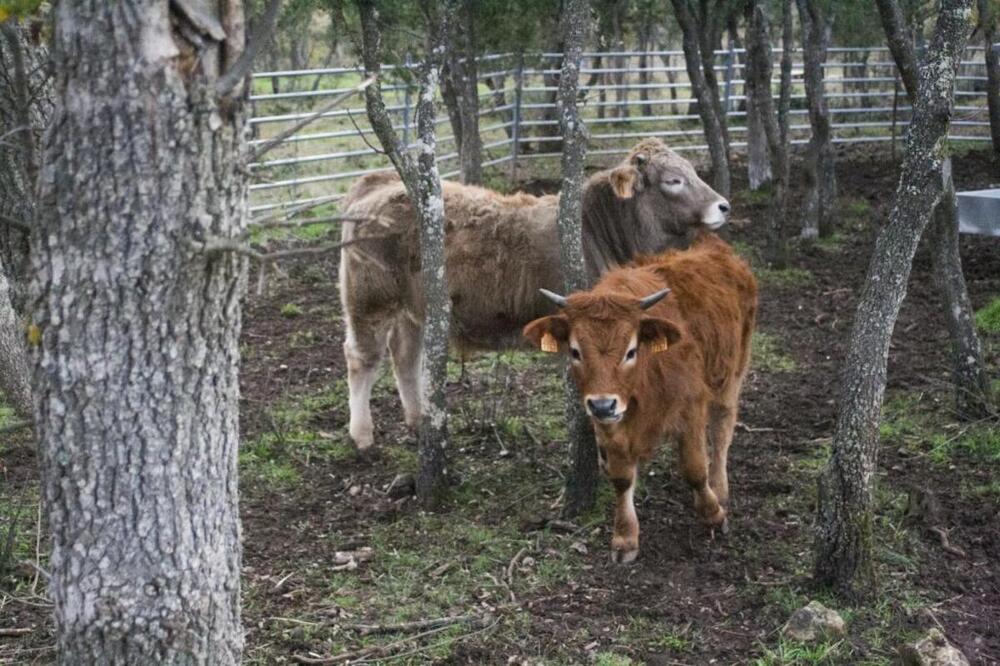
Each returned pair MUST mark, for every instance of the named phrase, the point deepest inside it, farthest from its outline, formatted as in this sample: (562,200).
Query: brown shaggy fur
(692,350)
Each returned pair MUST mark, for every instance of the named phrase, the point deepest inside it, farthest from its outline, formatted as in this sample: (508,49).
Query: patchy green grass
(792,653)
(766,354)
(784,277)
(988,317)
(612,659)
(926,428)
(289,310)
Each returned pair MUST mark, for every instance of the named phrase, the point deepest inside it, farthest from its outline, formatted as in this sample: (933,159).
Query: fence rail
(625,95)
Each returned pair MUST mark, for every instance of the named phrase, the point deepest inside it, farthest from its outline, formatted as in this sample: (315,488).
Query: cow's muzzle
(605,408)
(716,214)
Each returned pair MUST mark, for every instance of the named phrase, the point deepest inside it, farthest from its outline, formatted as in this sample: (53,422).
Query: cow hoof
(624,556)
(724,527)
(363,441)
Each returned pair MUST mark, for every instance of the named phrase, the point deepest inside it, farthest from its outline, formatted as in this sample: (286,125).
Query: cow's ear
(625,181)
(658,334)
(548,333)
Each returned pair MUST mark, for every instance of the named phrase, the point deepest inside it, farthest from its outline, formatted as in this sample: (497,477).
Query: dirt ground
(329,552)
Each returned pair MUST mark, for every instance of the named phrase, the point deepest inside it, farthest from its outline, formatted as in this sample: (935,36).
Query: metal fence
(625,96)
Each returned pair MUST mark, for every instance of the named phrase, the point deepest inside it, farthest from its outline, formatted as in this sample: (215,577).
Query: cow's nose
(724,207)
(602,408)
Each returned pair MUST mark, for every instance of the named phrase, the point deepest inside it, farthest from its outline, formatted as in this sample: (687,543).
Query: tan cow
(500,249)
(659,350)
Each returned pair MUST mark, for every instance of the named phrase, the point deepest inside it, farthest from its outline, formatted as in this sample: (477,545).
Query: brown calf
(659,350)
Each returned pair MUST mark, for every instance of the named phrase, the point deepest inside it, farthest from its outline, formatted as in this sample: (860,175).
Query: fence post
(406,100)
(515,134)
(729,76)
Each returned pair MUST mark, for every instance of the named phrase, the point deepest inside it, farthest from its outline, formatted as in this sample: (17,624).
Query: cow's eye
(675,182)
(630,354)
(575,353)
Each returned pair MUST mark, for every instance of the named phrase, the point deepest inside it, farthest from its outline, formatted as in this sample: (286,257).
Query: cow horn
(555,298)
(653,299)
(641,158)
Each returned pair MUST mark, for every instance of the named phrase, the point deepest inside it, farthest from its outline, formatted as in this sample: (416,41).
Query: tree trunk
(714,134)
(135,333)
(581,482)
(15,387)
(709,21)
(785,93)
(449,95)
(644,38)
(465,82)
(758,162)
(972,388)
(759,68)
(972,385)
(900,43)
(820,173)
(988,20)
(844,544)
(423,185)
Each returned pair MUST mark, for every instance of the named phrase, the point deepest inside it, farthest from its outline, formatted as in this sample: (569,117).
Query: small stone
(814,622)
(932,650)
(354,491)
(403,485)
(579,547)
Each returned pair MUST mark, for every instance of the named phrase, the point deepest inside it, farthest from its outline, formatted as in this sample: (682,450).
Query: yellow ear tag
(549,343)
(659,345)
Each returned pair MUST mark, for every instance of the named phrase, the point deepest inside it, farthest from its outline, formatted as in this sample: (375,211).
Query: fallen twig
(945,544)
(12,632)
(416,625)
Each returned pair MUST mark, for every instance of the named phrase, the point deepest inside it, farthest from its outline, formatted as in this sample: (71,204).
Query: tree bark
(785,93)
(135,334)
(581,482)
(972,384)
(710,20)
(15,387)
(900,43)
(820,173)
(972,388)
(988,21)
(759,69)
(464,81)
(714,133)
(844,543)
(423,184)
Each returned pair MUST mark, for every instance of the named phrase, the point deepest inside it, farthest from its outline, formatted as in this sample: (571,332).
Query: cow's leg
(721,426)
(625,542)
(406,346)
(694,467)
(363,351)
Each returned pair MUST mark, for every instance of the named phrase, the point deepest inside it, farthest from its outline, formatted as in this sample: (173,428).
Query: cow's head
(607,337)
(667,190)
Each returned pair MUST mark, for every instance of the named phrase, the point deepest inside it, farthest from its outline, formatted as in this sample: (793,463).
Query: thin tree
(708,108)
(757,83)
(820,167)
(759,69)
(844,543)
(135,331)
(581,482)
(420,176)
(15,387)
(988,23)
(459,37)
(969,375)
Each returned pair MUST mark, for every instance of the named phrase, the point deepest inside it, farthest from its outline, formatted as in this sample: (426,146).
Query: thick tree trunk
(758,163)
(760,65)
(844,544)
(821,175)
(15,387)
(581,482)
(972,384)
(988,21)
(714,133)
(972,389)
(423,184)
(136,333)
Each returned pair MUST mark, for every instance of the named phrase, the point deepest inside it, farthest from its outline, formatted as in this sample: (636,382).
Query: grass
(290,310)
(766,354)
(988,317)
(923,426)
(792,653)
(783,277)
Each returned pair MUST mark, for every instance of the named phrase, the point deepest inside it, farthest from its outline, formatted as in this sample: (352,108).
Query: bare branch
(336,101)
(16,224)
(305,222)
(377,151)
(900,44)
(228,81)
(216,245)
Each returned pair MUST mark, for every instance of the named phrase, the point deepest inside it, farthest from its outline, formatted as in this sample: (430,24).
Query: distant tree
(821,175)
(581,482)
(759,69)
(135,325)
(699,34)
(15,386)
(462,74)
(988,16)
(419,174)
(844,543)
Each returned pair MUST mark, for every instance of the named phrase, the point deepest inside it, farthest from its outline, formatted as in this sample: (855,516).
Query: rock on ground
(814,622)
(932,650)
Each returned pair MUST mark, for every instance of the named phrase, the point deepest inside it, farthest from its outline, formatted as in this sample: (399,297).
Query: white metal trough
(979,212)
